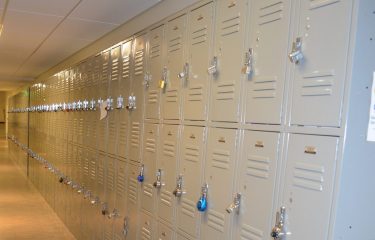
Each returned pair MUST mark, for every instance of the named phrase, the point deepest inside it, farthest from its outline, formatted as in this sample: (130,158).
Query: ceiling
(39,34)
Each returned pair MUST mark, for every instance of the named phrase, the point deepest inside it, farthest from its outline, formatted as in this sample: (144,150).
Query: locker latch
(120,102)
(114,214)
(104,209)
(279,231)
(296,56)
(95,201)
(158,183)
(184,75)
(92,105)
(202,202)
(164,78)
(109,106)
(213,68)
(147,79)
(235,205)
(131,103)
(179,191)
(74,106)
(79,105)
(247,69)
(63,107)
(85,105)
(125,227)
(141,176)
(87,194)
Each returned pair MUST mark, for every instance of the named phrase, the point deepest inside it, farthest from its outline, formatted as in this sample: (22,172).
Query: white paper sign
(371,122)
(103,110)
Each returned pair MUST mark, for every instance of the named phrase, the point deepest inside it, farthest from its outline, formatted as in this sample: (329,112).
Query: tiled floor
(23,212)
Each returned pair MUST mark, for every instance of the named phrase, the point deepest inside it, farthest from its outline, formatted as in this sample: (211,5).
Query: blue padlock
(202,202)
(141,177)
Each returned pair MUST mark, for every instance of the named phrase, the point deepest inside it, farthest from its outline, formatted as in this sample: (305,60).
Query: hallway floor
(23,212)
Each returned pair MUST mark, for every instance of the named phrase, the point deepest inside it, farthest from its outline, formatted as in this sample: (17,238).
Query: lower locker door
(164,232)
(120,223)
(149,161)
(257,180)
(310,174)
(168,165)
(219,174)
(132,202)
(146,228)
(191,168)
(110,189)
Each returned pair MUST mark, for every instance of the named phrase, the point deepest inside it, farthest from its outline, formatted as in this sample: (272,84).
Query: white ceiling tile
(111,11)
(50,7)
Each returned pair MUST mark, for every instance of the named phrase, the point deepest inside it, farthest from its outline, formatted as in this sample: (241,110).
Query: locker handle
(192,136)
(259,144)
(169,133)
(235,205)
(221,140)
(310,150)
(232,4)
(200,17)
(175,28)
(296,56)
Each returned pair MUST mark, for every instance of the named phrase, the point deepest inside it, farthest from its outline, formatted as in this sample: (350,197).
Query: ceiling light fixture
(3,16)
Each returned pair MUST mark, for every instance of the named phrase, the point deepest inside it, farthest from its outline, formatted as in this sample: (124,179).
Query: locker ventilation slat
(175,44)
(308,176)
(221,159)
(188,208)
(225,91)
(314,4)
(155,51)
(199,36)
(125,67)
(230,25)
(166,198)
(169,148)
(319,83)
(258,166)
(216,220)
(195,94)
(192,153)
(135,135)
(151,145)
(270,12)
(138,62)
(132,191)
(153,97)
(171,95)
(146,234)
(251,233)
(121,182)
(148,190)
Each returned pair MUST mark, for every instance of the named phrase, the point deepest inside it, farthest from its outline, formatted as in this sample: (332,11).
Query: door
(155,68)
(132,202)
(150,153)
(310,174)
(196,87)
(175,38)
(228,50)
(257,181)
(167,164)
(318,81)
(266,59)
(121,201)
(110,194)
(220,174)
(191,168)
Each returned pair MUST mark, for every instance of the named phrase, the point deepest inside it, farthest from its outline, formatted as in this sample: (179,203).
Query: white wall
(3,102)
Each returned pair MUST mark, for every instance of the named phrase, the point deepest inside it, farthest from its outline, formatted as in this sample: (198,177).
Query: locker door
(149,161)
(191,167)
(269,44)
(146,227)
(168,165)
(123,121)
(103,94)
(175,37)
(110,188)
(318,81)
(164,232)
(310,174)
(257,179)
(229,50)
(155,67)
(100,192)
(121,200)
(196,93)
(114,92)
(132,201)
(219,173)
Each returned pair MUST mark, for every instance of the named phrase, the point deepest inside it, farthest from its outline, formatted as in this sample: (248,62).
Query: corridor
(24,214)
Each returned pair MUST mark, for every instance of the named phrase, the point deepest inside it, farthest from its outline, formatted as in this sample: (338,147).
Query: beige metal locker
(164,232)
(220,174)
(150,153)
(191,168)
(196,84)
(265,61)
(132,202)
(110,195)
(228,60)
(310,174)
(146,228)
(121,220)
(175,40)
(318,80)
(257,181)
(154,73)
(165,180)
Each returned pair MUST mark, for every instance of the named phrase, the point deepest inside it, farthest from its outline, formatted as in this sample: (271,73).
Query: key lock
(147,79)
(114,214)
(296,56)
(79,105)
(179,191)
(235,205)
(158,184)
(213,68)
(184,75)
(141,176)
(202,202)
(85,105)
(109,106)
(248,63)
(131,103)
(74,106)
(92,105)
(120,102)
(279,231)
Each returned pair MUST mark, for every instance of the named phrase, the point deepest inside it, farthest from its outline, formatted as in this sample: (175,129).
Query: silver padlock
(296,56)
(158,184)
(235,205)
(213,68)
(279,231)
(179,191)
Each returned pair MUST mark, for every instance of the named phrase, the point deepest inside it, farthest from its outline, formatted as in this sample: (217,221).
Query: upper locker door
(121,201)
(220,174)
(310,174)
(266,61)
(228,52)
(175,38)
(123,120)
(257,180)
(155,68)
(167,163)
(191,169)
(196,85)
(114,93)
(318,81)
(150,150)
(137,92)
